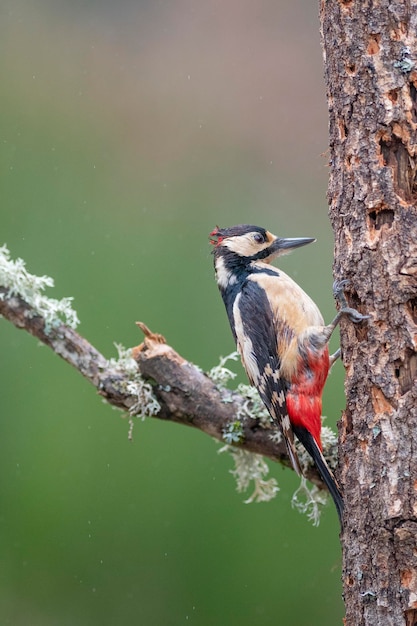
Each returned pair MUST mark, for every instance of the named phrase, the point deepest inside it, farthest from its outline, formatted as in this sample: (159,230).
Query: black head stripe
(262,254)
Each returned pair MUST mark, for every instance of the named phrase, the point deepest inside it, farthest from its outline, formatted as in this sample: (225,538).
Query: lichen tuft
(252,467)
(19,282)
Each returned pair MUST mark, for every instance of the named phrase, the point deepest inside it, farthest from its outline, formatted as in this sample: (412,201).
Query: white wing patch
(245,346)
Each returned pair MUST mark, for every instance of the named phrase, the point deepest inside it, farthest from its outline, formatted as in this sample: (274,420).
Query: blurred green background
(128,131)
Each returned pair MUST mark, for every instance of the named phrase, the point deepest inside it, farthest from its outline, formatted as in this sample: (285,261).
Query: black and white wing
(257,341)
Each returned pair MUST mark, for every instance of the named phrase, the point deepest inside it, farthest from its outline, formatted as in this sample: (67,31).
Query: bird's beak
(282,246)
(289,244)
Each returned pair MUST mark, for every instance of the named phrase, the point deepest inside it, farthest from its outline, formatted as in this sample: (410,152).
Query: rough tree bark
(370,54)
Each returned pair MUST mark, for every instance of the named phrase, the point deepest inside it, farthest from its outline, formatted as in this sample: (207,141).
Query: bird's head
(252,243)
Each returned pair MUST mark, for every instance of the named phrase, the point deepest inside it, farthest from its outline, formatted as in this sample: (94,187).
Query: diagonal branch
(186,395)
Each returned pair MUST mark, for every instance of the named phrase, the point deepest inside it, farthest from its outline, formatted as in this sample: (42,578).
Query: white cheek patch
(245,346)
(224,276)
(244,245)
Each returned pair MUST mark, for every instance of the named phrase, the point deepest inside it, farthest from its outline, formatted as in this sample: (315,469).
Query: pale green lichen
(329,442)
(145,405)
(219,374)
(125,361)
(252,467)
(253,407)
(404,63)
(144,402)
(309,500)
(233,433)
(19,282)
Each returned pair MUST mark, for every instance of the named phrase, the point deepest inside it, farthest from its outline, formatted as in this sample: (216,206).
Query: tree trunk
(370,55)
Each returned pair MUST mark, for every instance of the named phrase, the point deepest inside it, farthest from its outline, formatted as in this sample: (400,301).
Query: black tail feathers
(325,472)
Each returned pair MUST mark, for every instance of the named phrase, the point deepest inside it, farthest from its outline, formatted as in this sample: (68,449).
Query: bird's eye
(258,238)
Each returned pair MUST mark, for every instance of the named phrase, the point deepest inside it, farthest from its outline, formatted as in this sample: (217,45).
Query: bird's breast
(288,300)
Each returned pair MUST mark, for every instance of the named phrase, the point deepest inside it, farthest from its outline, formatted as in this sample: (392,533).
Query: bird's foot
(339,295)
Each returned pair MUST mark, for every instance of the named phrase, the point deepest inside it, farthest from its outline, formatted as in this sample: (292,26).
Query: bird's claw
(354,315)
(338,293)
(339,287)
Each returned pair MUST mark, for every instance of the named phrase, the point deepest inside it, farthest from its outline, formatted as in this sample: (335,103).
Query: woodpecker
(280,335)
